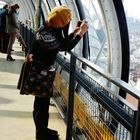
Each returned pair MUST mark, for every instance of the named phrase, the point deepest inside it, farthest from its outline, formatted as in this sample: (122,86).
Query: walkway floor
(16,110)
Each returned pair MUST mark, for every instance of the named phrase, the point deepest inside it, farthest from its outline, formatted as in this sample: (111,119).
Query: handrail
(124,119)
(100,96)
(128,88)
(123,85)
(117,81)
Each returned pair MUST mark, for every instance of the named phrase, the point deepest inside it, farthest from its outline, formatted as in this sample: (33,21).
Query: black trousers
(1,41)
(4,40)
(41,117)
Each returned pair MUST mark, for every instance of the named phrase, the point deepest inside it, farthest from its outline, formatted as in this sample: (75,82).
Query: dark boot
(52,132)
(41,124)
(42,130)
(9,58)
(41,118)
(52,136)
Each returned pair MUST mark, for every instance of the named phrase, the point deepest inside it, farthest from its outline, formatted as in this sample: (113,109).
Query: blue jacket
(3,14)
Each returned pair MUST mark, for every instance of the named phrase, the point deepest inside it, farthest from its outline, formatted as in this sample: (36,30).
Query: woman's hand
(30,57)
(81,28)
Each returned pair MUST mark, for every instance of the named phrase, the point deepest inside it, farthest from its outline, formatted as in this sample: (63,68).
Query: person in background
(13,30)
(4,36)
(58,23)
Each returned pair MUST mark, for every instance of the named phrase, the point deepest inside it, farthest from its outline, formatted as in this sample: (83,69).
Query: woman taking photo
(45,50)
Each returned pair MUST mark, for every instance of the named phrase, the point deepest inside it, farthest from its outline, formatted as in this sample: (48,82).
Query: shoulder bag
(38,80)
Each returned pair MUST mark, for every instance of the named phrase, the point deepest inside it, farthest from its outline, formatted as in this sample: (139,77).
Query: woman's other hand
(30,57)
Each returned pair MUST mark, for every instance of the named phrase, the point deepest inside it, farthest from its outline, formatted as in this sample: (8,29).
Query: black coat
(46,56)
(3,14)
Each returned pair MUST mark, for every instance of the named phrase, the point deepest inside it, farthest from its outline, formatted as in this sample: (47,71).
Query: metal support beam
(71,98)
(39,13)
(137,124)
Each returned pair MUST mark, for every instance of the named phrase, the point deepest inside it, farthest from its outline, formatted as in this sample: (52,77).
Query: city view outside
(132,11)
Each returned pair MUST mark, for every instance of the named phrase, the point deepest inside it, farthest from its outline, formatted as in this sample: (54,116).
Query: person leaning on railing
(58,24)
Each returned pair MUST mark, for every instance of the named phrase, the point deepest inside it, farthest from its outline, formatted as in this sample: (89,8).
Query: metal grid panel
(95,121)
(91,120)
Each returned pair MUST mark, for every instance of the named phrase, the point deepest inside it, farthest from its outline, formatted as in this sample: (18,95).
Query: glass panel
(132,11)
(97,38)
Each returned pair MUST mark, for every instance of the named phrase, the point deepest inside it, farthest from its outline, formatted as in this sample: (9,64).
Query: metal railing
(93,111)
(27,34)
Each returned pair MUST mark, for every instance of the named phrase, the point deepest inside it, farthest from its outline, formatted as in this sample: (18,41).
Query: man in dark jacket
(4,37)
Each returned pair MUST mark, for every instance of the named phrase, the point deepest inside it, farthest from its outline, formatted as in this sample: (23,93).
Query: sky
(132,8)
